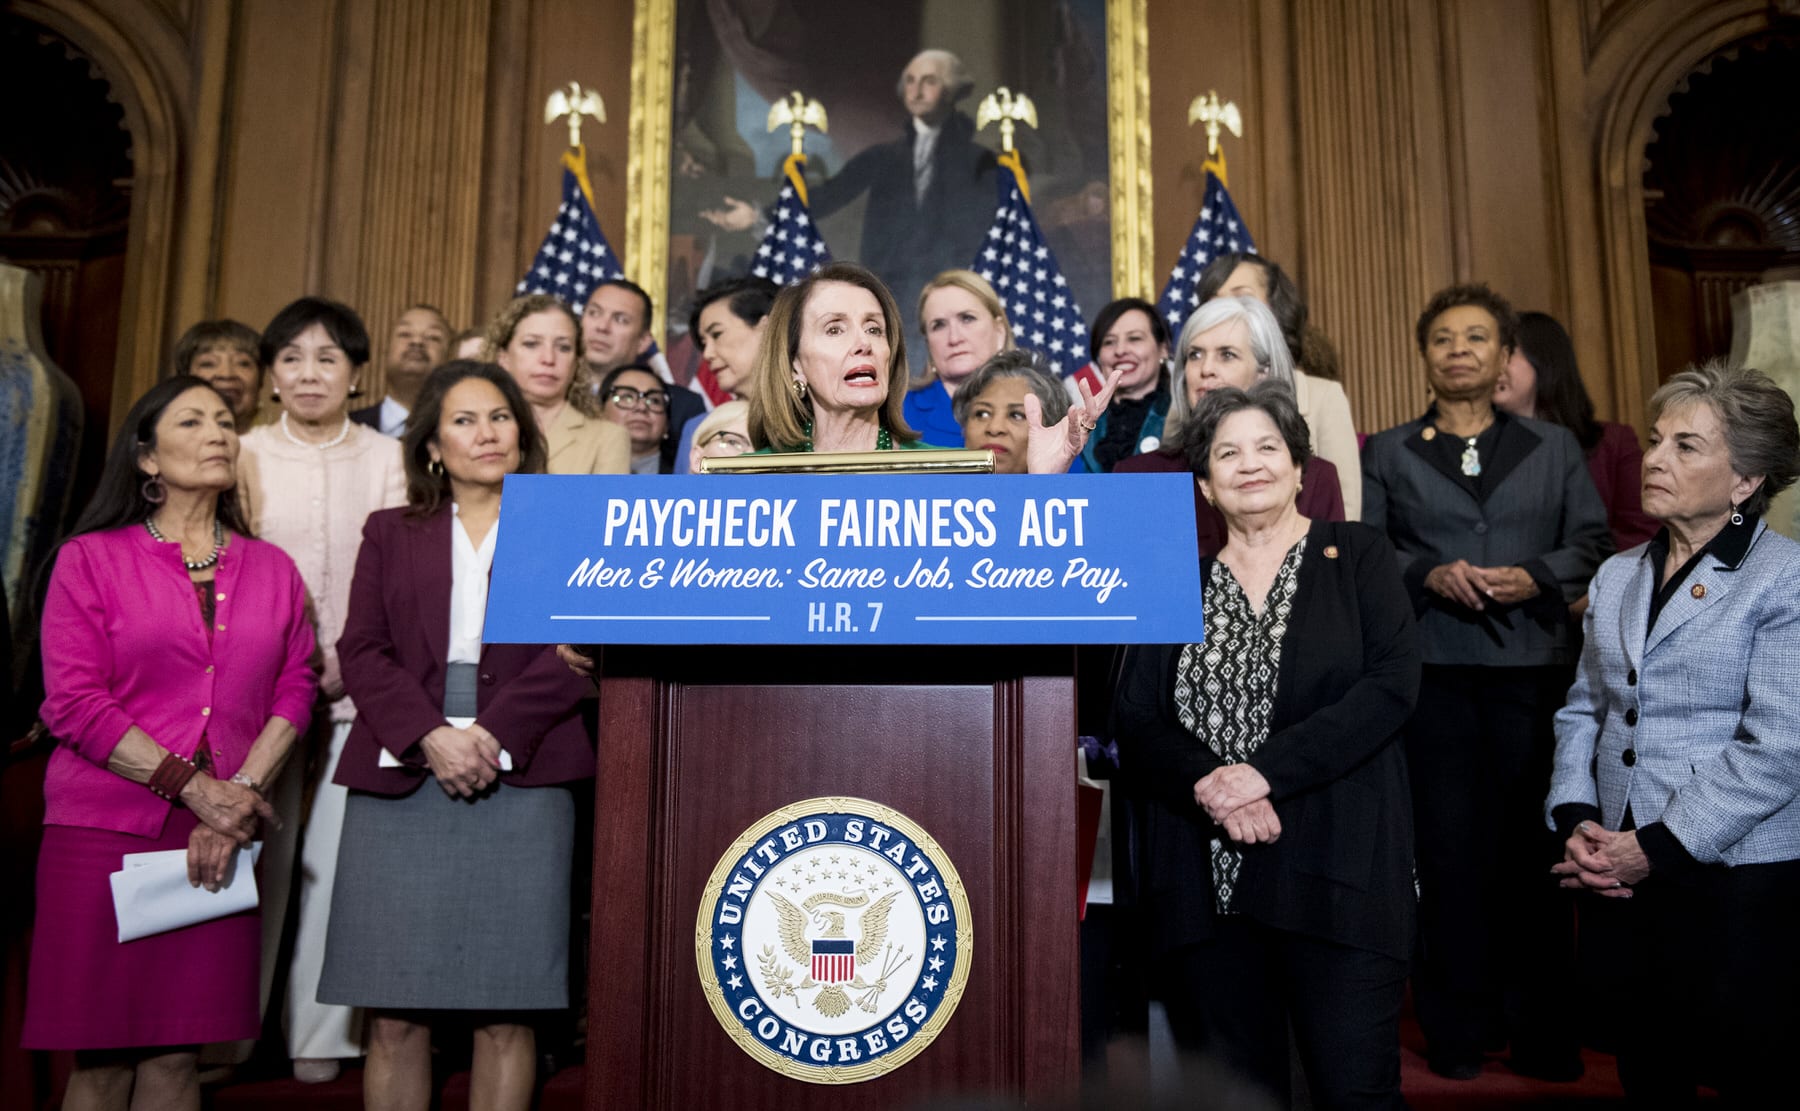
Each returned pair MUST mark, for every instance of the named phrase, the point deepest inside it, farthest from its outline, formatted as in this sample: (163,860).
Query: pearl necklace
(192,564)
(343,434)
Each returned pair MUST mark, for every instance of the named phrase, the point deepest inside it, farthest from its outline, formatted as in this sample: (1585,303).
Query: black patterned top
(1225,688)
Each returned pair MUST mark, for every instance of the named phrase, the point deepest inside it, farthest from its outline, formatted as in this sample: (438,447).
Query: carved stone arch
(1635,63)
(125,57)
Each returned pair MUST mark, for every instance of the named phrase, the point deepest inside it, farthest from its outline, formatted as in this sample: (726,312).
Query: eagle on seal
(792,926)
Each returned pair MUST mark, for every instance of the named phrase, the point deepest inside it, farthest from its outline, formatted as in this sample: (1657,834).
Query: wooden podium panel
(976,745)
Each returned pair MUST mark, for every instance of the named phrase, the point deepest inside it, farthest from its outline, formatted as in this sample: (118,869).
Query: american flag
(1218,230)
(1017,262)
(575,256)
(792,246)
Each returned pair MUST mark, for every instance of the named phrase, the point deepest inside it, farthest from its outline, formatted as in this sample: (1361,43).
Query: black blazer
(1343,867)
(369,416)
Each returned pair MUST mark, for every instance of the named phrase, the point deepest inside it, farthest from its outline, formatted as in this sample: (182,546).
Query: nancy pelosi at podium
(452,891)
(1677,777)
(1277,845)
(831,377)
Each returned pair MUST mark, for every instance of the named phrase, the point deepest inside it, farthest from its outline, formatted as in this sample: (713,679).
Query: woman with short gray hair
(1677,775)
(1233,342)
(1202,364)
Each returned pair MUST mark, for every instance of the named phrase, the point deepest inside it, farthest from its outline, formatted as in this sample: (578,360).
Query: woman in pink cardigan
(177,675)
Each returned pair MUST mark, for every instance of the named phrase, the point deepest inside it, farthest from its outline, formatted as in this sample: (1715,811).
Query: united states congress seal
(834,940)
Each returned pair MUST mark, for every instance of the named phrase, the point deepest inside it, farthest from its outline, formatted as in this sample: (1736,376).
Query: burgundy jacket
(1617,465)
(396,638)
(1321,498)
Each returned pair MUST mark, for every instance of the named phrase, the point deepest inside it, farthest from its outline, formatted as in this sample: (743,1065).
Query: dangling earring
(153,490)
(1736,517)
(800,388)
(435,468)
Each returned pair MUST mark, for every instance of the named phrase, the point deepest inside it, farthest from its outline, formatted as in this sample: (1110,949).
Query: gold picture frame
(651,123)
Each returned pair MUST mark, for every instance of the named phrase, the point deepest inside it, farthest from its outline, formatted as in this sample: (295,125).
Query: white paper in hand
(151,894)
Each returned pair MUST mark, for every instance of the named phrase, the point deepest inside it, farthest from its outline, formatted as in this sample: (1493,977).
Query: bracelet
(244,779)
(170,777)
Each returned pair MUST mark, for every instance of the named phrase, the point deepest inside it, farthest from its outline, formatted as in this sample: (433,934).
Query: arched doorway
(65,205)
(1721,194)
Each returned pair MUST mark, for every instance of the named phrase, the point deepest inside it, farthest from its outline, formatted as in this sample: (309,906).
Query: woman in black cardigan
(1277,850)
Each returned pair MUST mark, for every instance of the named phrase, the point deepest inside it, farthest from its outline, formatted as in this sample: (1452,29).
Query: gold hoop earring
(435,468)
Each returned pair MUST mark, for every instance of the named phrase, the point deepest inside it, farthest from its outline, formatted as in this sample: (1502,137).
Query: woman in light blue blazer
(1677,779)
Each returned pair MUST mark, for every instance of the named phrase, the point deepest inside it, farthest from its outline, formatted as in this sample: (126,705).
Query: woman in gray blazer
(1677,781)
(1498,528)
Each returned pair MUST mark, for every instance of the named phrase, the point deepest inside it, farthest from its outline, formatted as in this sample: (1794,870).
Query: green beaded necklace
(883,441)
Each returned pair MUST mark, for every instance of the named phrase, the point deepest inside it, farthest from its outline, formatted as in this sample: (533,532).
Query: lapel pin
(1331,551)
(1430,433)
(1699,590)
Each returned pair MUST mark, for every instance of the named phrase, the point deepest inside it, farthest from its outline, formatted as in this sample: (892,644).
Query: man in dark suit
(418,343)
(931,190)
(615,333)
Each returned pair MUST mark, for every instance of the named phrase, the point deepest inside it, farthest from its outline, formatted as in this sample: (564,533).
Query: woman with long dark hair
(452,891)
(176,669)
(1542,380)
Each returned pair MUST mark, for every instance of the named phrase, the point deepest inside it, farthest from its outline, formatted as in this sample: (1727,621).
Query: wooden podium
(976,745)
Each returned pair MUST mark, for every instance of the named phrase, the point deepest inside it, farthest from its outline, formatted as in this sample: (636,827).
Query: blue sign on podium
(850,559)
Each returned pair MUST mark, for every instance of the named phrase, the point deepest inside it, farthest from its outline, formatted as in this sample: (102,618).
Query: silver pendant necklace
(1471,458)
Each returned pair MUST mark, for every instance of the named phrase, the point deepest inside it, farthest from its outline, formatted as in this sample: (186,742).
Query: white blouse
(469,568)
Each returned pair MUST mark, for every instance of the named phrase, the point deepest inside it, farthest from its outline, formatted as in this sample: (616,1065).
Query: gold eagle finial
(798,113)
(574,102)
(1008,109)
(1217,117)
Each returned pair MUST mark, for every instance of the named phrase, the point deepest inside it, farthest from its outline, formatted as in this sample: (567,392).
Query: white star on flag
(791,248)
(1023,269)
(1218,230)
(574,234)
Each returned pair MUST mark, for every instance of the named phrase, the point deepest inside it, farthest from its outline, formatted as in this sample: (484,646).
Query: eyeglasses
(731,441)
(627,398)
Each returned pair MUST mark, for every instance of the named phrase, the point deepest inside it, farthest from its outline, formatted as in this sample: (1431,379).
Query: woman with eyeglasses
(724,431)
(634,398)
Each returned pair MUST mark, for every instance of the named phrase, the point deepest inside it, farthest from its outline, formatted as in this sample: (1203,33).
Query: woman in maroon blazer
(453,897)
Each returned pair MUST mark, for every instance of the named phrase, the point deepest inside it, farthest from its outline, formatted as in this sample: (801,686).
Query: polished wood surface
(705,742)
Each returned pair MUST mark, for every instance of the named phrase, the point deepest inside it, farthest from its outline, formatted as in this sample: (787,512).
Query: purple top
(124,644)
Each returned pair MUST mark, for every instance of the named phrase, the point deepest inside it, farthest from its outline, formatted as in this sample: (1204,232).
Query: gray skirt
(452,904)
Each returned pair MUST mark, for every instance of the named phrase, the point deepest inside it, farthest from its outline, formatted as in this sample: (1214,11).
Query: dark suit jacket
(1342,868)
(393,653)
(1541,512)
(1321,498)
(904,241)
(369,415)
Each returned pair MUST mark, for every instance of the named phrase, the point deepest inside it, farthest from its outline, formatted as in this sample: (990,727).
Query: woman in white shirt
(452,896)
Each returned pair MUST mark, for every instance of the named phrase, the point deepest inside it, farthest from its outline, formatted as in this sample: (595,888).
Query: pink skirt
(87,991)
